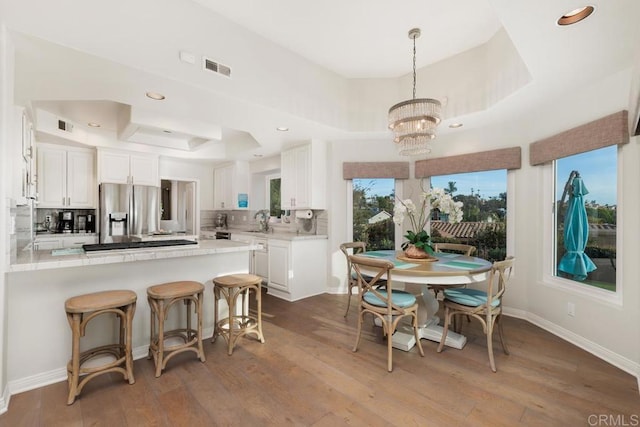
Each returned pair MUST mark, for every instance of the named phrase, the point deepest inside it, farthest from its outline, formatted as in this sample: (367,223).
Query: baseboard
(60,374)
(597,350)
(4,400)
(37,381)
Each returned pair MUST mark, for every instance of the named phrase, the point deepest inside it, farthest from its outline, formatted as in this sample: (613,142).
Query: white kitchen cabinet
(47,243)
(258,261)
(303,172)
(65,177)
(297,268)
(231,186)
(122,167)
(76,241)
(60,241)
(261,259)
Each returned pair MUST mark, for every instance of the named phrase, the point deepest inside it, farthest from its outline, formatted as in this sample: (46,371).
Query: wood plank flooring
(306,375)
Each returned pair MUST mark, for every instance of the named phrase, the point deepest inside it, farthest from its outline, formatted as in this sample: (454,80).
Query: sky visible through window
(596,168)
(598,172)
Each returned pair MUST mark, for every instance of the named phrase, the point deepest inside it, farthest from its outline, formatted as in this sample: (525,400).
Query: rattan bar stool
(80,311)
(161,298)
(230,287)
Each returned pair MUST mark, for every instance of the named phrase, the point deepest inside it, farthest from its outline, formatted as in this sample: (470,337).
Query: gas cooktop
(137,245)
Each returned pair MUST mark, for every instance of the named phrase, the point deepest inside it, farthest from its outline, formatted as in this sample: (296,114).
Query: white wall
(606,329)
(6,99)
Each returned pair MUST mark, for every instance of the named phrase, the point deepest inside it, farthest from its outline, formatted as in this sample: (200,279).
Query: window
(484,220)
(273,195)
(585,253)
(372,210)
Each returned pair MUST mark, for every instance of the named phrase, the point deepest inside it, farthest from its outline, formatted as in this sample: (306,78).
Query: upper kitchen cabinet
(122,167)
(66,177)
(231,186)
(303,172)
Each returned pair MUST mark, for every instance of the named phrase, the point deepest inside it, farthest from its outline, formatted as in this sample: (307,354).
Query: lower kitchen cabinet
(297,268)
(261,259)
(62,241)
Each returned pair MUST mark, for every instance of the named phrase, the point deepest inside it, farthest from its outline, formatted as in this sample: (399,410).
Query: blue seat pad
(469,297)
(400,298)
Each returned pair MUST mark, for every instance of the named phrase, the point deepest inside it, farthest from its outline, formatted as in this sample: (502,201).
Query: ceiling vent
(217,67)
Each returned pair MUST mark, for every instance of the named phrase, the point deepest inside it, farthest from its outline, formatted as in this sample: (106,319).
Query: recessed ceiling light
(282,128)
(576,15)
(155,95)
(455,125)
(93,125)
(257,155)
(166,131)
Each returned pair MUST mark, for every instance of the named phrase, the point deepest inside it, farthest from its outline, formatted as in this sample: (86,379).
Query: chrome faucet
(262,216)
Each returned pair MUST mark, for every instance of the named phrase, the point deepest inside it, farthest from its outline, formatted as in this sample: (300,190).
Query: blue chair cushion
(400,298)
(469,297)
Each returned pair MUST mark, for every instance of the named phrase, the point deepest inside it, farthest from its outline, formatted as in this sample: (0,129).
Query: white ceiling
(366,38)
(326,69)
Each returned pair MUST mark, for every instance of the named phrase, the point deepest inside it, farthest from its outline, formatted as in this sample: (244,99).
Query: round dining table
(448,269)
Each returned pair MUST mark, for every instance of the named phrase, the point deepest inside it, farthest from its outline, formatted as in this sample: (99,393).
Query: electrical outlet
(47,218)
(244,217)
(233,218)
(571,309)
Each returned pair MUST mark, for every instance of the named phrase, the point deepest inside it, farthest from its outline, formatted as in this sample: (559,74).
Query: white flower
(435,198)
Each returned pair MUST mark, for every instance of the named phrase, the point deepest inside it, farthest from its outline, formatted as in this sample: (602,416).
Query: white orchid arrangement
(435,198)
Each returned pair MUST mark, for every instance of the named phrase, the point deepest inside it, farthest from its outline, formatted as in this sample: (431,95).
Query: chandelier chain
(414,67)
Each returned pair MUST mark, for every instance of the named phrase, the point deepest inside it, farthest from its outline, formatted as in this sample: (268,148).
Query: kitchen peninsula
(39,283)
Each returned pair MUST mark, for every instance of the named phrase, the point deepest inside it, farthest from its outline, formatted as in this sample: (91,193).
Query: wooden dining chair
(483,305)
(467,250)
(383,302)
(459,248)
(353,248)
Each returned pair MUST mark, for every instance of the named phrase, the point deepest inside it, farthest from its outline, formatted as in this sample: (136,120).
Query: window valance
(505,158)
(397,170)
(609,130)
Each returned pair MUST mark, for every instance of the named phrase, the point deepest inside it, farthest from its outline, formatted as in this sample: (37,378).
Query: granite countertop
(275,234)
(29,260)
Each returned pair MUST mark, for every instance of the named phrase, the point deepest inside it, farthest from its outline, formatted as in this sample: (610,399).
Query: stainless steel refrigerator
(128,212)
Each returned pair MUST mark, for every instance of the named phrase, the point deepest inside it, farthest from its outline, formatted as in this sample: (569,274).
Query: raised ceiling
(326,69)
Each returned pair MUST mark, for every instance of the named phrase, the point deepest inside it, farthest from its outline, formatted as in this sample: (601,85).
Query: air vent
(217,67)
(65,126)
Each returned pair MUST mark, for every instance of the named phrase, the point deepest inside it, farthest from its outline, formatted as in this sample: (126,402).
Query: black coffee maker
(65,222)
(91,223)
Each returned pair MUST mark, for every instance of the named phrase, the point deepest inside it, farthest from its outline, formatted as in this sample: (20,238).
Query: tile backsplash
(318,224)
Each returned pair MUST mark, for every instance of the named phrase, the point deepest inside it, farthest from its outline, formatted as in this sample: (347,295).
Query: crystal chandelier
(414,122)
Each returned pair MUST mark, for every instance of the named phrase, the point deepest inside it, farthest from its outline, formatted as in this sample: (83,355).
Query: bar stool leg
(160,344)
(216,299)
(199,327)
(74,375)
(231,297)
(129,312)
(259,306)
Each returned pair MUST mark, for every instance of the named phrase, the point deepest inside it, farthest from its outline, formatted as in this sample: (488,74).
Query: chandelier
(414,122)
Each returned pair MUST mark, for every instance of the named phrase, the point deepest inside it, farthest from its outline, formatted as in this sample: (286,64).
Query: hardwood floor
(306,374)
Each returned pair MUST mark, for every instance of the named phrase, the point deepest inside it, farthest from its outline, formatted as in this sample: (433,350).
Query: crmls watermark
(610,420)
